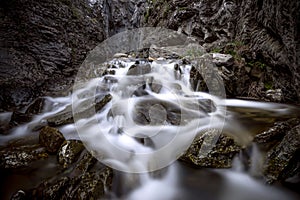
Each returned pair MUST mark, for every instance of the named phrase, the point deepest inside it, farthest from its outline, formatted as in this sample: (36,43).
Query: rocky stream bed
(253,46)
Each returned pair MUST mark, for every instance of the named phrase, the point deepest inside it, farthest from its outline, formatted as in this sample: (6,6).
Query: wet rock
(19,195)
(222,59)
(61,118)
(18,118)
(283,158)
(275,95)
(139,69)
(69,152)
(90,185)
(49,190)
(36,107)
(5,118)
(23,156)
(120,55)
(148,112)
(276,132)
(51,138)
(85,162)
(66,116)
(220,156)
(206,77)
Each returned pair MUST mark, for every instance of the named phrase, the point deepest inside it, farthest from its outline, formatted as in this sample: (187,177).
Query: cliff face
(42,44)
(269,29)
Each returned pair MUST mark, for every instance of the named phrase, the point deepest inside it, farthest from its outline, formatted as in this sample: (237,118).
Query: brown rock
(51,138)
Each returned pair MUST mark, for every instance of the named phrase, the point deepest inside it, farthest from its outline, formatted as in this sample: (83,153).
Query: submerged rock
(220,156)
(139,69)
(36,107)
(69,152)
(51,138)
(18,118)
(23,156)
(66,116)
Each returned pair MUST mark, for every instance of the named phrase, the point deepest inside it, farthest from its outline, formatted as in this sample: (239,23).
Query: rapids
(152,118)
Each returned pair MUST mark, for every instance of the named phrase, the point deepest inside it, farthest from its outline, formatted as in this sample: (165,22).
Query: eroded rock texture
(42,45)
(269,29)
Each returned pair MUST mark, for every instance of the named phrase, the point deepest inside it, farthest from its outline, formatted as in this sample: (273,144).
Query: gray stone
(40,54)
(120,55)
(222,59)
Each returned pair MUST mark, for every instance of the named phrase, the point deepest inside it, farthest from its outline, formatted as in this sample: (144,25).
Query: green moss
(257,64)
(182,8)
(237,43)
(76,12)
(216,50)
(166,10)
(146,15)
(194,53)
(268,85)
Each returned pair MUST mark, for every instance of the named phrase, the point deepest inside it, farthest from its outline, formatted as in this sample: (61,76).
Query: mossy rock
(220,156)
(69,152)
(51,138)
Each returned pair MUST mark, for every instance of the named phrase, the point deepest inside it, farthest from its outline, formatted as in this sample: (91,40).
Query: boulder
(220,156)
(282,161)
(69,152)
(222,59)
(22,156)
(51,138)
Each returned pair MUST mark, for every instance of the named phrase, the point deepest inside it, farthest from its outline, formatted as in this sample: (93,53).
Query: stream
(138,119)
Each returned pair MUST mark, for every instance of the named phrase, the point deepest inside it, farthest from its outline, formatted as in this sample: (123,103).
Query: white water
(174,115)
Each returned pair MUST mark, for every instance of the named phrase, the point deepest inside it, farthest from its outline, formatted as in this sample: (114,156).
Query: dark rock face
(42,44)
(282,162)
(272,30)
(117,15)
(269,29)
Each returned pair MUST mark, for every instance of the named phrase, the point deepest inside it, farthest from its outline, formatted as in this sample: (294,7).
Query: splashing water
(151,119)
(148,116)
(154,116)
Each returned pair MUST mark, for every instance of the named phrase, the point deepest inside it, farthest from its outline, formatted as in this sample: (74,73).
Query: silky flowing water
(152,118)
